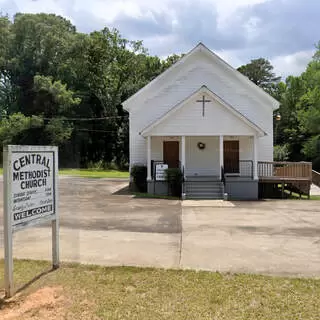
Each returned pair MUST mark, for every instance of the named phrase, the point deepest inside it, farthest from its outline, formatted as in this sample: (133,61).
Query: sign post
(30,197)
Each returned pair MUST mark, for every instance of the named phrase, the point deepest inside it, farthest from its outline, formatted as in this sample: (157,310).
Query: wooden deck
(292,176)
(283,179)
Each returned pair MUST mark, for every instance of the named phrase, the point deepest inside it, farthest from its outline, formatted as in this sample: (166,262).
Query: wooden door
(171,153)
(231,156)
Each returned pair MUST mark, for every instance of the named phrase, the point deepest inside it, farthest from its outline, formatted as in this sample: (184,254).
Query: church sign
(160,172)
(30,194)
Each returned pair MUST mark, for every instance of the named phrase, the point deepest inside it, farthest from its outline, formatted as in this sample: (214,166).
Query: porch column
(221,154)
(148,158)
(255,157)
(183,153)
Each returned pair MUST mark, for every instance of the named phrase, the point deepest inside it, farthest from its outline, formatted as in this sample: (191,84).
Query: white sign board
(160,172)
(30,195)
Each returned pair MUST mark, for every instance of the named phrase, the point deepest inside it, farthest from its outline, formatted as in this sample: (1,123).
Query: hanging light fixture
(278,116)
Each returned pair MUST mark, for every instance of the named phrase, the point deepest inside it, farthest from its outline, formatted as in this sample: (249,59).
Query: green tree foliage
(15,128)
(281,152)
(72,84)
(62,87)
(297,134)
(260,72)
(300,114)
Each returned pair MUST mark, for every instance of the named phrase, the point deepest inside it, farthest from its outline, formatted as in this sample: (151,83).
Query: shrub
(281,152)
(139,175)
(174,177)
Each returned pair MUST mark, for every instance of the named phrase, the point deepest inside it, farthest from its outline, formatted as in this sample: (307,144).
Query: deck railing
(316,178)
(297,170)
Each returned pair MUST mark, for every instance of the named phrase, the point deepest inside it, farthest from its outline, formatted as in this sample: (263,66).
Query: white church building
(206,118)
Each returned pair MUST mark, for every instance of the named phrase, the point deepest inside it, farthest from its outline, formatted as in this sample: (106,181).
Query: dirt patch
(46,303)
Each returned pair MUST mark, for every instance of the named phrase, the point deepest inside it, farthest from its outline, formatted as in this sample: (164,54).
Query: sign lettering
(160,172)
(30,197)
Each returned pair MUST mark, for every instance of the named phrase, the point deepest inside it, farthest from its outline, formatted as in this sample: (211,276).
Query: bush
(139,175)
(174,177)
(281,152)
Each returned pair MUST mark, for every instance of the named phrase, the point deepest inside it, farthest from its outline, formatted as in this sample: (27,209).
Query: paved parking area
(102,224)
(270,237)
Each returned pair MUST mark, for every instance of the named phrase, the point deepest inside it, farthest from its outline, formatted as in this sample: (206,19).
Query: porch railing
(316,178)
(244,169)
(297,170)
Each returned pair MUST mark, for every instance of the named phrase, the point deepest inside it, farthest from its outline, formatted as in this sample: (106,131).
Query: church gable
(203,113)
(203,60)
(198,68)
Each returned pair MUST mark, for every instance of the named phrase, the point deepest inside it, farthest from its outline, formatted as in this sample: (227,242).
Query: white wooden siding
(200,70)
(202,162)
(189,121)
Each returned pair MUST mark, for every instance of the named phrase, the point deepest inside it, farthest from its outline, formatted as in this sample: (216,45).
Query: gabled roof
(202,48)
(207,91)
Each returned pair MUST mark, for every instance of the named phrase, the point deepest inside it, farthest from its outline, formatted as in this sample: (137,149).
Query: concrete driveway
(102,224)
(269,237)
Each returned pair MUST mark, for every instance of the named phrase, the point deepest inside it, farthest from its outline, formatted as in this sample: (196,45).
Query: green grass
(92,292)
(92,173)
(153,196)
(294,195)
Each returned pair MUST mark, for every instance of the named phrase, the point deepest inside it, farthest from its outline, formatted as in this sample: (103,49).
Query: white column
(221,154)
(183,153)
(148,158)
(255,157)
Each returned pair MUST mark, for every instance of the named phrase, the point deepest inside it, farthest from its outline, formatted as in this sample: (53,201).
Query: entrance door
(231,156)
(171,153)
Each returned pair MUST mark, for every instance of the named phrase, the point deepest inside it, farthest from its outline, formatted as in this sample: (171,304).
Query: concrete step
(203,179)
(203,188)
(202,183)
(200,188)
(204,191)
(202,196)
(206,194)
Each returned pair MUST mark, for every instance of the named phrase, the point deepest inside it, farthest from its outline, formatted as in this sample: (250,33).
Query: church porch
(212,165)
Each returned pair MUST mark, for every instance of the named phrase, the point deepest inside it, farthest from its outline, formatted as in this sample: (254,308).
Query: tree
(309,109)
(14,127)
(260,72)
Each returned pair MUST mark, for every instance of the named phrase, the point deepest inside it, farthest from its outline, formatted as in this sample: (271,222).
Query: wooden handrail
(316,178)
(285,169)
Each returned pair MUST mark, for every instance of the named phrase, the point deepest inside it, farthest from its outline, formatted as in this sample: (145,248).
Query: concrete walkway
(315,190)
(101,224)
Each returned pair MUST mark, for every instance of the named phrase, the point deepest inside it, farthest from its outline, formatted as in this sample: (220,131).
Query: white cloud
(293,64)
(237,30)
(46,6)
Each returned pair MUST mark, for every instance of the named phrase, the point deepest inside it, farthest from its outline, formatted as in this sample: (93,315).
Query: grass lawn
(303,197)
(92,292)
(91,173)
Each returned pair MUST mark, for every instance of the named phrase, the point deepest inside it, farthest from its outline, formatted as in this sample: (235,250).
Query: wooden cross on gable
(203,103)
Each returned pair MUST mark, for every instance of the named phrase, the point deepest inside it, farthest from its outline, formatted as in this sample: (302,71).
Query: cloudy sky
(283,31)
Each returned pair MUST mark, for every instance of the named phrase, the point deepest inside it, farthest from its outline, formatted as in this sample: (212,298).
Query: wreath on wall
(201,145)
